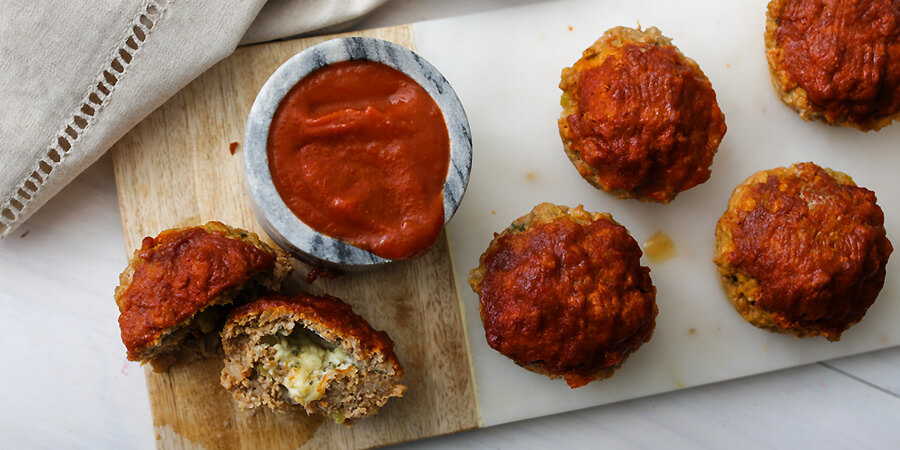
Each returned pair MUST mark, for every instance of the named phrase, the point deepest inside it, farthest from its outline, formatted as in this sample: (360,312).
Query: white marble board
(505,67)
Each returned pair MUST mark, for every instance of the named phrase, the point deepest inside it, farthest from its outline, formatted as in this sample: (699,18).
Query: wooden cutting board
(175,169)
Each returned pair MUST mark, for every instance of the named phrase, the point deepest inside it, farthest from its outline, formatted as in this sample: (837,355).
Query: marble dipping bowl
(288,231)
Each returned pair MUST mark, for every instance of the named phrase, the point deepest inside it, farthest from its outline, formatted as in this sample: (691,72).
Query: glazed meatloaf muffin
(802,250)
(639,118)
(308,352)
(837,61)
(563,294)
(178,283)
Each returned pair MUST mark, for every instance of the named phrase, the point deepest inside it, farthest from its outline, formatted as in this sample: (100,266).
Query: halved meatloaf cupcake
(308,352)
(179,283)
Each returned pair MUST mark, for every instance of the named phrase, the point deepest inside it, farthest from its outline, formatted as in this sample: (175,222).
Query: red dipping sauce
(360,152)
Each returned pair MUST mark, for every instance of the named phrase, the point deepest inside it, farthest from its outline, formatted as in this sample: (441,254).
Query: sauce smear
(359,151)
(659,247)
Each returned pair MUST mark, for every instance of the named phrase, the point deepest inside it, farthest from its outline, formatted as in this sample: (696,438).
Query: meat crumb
(319,272)
(25,233)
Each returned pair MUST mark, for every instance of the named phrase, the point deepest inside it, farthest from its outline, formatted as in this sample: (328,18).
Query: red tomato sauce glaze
(360,152)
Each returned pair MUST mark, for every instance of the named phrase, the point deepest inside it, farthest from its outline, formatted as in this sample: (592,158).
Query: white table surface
(66,382)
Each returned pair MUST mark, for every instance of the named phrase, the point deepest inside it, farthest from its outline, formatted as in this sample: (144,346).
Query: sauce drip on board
(659,247)
(360,152)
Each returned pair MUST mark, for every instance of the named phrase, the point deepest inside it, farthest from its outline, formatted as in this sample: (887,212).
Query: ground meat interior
(302,363)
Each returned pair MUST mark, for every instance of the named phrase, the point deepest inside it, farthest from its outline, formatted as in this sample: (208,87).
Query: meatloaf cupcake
(179,283)
(563,294)
(802,250)
(308,352)
(837,61)
(639,118)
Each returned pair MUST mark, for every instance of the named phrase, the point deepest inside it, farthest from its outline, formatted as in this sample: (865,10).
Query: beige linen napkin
(283,18)
(77,75)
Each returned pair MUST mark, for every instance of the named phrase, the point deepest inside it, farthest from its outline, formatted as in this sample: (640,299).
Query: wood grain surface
(175,169)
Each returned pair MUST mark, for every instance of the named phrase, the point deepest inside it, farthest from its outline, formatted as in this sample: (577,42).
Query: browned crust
(792,94)
(333,320)
(545,213)
(601,374)
(742,289)
(160,353)
(607,45)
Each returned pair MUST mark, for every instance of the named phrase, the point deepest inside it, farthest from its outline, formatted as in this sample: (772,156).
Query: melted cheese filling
(307,362)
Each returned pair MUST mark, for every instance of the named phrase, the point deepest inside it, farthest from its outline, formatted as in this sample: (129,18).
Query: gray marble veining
(279,222)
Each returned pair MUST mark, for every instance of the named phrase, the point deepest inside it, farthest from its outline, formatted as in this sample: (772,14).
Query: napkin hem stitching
(135,36)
